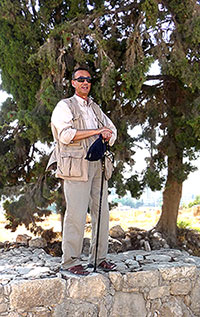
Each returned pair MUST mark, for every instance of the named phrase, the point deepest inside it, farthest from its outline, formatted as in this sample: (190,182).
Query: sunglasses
(82,79)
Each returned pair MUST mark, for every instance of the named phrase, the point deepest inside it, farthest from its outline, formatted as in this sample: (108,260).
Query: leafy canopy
(40,45)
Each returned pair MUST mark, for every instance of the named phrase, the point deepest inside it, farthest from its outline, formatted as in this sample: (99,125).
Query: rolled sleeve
(108,123)
(61,119)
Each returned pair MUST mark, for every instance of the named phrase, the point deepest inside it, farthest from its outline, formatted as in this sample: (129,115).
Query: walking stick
(99,216)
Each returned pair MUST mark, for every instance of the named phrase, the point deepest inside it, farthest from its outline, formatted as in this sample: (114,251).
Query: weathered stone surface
(178,272)
(117,232)
(88,287)
(155,305)
(180,288)
(3,307)
(75,308)
(41,312)
(1,289)
(159,292)
(38,243)
(132,264)
(28,294)
(141,279)
(23,239)
(195,298)
(127,305)
(159,258)
(13,314)
(166,288)
(117,280)
(171,308)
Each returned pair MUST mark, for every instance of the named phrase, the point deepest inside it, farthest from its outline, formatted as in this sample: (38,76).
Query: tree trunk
(167,223)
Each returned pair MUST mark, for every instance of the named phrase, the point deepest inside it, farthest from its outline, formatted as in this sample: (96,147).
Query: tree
(118,40)
(172,108)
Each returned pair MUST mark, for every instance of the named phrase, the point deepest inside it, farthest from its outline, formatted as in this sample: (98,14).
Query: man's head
(81,81)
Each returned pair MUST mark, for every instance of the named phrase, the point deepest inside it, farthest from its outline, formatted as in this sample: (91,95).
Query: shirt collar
(82,102)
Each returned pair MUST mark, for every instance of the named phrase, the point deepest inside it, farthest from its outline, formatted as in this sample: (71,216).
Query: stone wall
(164,283)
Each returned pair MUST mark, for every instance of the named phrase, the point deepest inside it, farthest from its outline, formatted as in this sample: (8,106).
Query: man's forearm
(84,134)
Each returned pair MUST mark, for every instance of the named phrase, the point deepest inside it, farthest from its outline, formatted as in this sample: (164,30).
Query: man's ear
(72,82)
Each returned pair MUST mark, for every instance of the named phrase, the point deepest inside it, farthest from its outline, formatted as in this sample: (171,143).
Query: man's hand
(106,133)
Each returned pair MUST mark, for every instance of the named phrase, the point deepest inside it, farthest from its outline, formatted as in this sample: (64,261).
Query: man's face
(82,89)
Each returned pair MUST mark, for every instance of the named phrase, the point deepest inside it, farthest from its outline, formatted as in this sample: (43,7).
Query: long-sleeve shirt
(62,120)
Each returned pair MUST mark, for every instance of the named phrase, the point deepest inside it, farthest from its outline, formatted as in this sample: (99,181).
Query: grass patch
(184,224)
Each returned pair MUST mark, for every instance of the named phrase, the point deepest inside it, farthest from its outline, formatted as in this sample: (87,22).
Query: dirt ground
(142,220)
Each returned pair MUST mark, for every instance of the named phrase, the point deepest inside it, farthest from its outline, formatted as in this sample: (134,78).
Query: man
(76,123)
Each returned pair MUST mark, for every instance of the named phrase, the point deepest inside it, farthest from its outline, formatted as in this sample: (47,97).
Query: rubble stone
(163,282)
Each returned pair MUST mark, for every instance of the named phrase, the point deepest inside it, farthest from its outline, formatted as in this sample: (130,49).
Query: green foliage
(39,48)
(135,78)
(152,179)
(150,7)
(182,224)
(195,202)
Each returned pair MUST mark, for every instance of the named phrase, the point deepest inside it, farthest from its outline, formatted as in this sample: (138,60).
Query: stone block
(159,258)
(42,292)
(37,243)
(195,298)
(117,280)
(74,308)
(141,279)
(131,263)
(3,307)
(159,292)
(117,232)
(172,308)
(180,287)
(128,304)
(92,286)
(178,272)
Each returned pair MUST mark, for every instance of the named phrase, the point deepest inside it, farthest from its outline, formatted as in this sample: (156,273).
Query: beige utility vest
(70,159)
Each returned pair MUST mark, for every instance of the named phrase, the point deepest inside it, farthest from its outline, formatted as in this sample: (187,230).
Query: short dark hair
(79,68)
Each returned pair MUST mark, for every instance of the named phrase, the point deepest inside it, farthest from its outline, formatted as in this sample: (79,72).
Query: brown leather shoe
(107,266)
(77,270)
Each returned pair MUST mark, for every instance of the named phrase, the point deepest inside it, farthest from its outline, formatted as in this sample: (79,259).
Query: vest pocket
(71,163)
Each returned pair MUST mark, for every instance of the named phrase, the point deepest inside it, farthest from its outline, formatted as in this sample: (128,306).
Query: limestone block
(3,307)
(42,292)
(159,258)
(117,280)
(131,263)
(180,287)
(23,239)
(195,298)
(92,286)
(37,243)
(178,272)
(171,309)
(159,292)
(128,304)
(117,232)
(155,304)
(74,308)
(141,279)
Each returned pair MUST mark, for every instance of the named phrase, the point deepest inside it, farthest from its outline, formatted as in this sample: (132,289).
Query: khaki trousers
(79,196)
